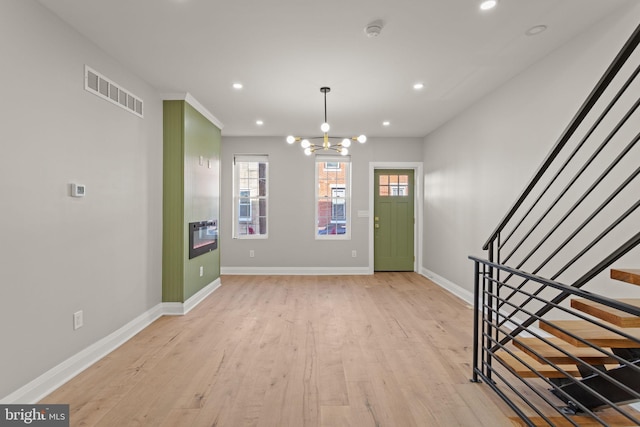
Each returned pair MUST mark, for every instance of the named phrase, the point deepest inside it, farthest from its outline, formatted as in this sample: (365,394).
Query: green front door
(393,220)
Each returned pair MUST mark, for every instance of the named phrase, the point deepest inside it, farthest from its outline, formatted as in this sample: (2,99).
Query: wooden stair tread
(608,314)
(545,370)
(626,275)
(588,355)
(592,333)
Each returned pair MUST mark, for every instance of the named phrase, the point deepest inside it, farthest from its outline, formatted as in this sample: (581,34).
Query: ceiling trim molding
(191,100)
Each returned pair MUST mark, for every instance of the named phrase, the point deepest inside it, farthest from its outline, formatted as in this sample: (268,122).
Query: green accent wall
(191,192)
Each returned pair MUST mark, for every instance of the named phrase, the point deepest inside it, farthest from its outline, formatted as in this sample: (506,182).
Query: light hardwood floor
(391,349)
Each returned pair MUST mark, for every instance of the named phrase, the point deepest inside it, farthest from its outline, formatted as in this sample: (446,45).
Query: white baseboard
(199,296)
(295,271)
(180,309)
(467,296)
(457,290)
(46,383)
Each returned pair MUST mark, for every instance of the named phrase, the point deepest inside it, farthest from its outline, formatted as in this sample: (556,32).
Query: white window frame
(347,199)
(237,195)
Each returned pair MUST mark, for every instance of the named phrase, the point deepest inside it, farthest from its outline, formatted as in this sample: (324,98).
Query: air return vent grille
(98,84)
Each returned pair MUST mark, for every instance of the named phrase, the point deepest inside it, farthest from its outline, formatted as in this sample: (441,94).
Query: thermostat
(77,190)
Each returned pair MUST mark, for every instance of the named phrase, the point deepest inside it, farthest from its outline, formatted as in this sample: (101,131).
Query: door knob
(377,226)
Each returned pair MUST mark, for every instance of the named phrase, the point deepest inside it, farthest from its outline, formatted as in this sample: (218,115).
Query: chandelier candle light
(341,147)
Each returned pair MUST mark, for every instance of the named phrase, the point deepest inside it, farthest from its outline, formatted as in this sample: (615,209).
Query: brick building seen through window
(332,197)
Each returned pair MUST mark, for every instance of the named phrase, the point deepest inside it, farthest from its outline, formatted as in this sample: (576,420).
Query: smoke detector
(373,29)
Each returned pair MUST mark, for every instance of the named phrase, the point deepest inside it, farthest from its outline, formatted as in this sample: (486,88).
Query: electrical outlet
(251,253)
(354,253)
(78,322)
(201,271)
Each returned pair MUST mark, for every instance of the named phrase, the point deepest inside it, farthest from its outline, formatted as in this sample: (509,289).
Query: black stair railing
(576,217)
(609,383)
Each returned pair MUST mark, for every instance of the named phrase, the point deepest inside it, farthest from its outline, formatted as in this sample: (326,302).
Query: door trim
(418,204)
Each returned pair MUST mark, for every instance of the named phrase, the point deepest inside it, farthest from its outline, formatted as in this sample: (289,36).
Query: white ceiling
(283,51)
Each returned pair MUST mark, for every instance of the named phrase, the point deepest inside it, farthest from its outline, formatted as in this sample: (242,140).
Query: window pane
(332,198)
(250,211)
(393,185)
(338,212)
(262,187)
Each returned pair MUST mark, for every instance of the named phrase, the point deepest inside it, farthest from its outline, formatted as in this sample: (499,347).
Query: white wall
(478,163)
(100,254)
(291,245)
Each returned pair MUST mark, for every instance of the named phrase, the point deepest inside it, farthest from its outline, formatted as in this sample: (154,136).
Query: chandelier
(328,143)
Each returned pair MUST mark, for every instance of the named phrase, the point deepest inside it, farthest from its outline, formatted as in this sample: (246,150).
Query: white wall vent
(101,86)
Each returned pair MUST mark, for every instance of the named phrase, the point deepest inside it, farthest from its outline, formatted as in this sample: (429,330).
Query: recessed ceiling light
(259,122)
(237,85)
(386,123)
(418,86)
(536,30)
(488,4)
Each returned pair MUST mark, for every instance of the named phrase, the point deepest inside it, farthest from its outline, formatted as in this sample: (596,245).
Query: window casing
(333,197)
(250,196)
